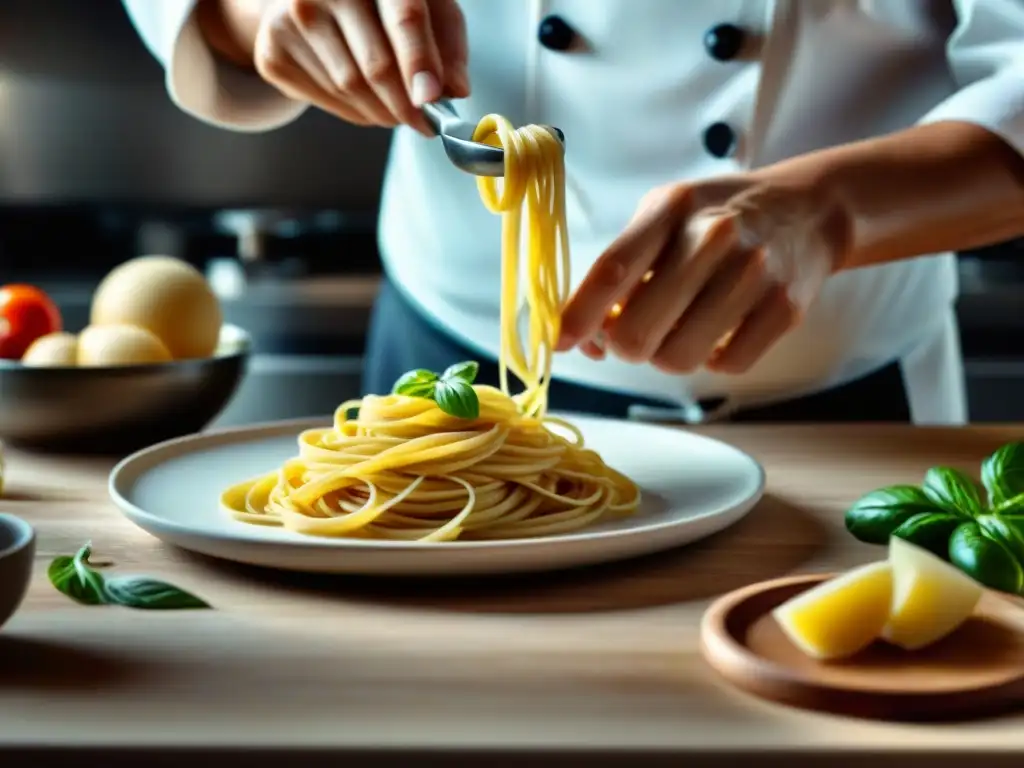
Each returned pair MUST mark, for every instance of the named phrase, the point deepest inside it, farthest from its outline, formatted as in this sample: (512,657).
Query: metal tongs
(457,137)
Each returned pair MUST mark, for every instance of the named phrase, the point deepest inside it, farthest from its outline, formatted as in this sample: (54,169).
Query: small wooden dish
(976,671)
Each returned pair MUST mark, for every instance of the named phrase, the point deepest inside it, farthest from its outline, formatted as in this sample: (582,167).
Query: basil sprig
(80,580)
(452,390)
(980,533)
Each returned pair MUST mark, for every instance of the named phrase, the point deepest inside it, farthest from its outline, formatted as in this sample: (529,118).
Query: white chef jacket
(635,99)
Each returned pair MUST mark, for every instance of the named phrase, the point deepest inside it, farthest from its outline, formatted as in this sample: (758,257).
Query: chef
(791,177)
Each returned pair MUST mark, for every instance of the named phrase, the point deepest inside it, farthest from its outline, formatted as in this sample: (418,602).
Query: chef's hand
(708,274)
(369,62)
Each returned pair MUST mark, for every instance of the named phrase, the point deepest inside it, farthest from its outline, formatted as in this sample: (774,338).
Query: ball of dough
(109,345)
(54,350)
(166,296)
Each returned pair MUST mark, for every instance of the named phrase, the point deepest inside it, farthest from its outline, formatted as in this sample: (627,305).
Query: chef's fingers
(284,59)
(622,266)
(593,349)
(773,317)
(734,291)
(344,81)
(368,42)
(678,277)
(449,27)
(410,29)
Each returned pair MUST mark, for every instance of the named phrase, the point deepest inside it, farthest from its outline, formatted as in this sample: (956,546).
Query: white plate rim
(136,464)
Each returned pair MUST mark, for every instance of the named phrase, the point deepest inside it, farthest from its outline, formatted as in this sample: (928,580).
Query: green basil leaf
(64,577)
(1002,473)
(74,577)
(420,390)
(985,560)
(457,398)
(61,568)
(1011,506)
(150,594)
(1005,533)
(953,491)
(1014,519)
(874,517)
(85,571)
(418,383)
(467,371)
(930,530)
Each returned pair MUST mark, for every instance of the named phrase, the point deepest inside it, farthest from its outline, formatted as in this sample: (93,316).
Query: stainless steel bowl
(118,410)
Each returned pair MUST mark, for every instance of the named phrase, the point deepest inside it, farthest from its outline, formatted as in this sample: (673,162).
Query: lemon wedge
(842,616)
(930,597)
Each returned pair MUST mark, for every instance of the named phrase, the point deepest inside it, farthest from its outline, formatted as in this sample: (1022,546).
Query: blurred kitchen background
(96,166)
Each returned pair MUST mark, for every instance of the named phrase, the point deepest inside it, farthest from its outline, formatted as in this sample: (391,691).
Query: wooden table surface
(602,661)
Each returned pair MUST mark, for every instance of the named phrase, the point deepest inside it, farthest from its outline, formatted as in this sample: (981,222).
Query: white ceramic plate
(692,487)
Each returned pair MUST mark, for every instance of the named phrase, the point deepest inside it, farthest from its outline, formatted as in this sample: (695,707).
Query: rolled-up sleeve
(986,56)
(198,82)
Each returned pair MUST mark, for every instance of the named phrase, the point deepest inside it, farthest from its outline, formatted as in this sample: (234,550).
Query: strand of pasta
(539,180)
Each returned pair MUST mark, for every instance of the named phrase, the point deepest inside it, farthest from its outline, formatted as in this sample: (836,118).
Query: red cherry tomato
(26,313)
